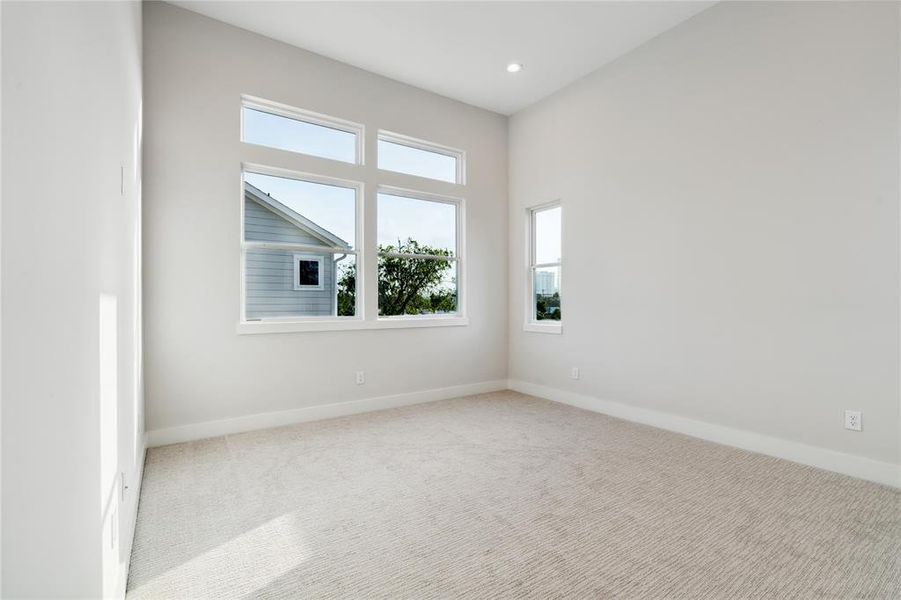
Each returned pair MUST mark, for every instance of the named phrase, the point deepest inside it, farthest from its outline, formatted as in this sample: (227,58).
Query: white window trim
(531,324)
(459,258)
(294,326)
(305,116)
(418,144)
(307,258)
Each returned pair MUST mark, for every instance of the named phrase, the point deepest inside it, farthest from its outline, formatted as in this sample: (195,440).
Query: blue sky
(547,235)
(403,159)
(429,223)
(297,136)
(331,207)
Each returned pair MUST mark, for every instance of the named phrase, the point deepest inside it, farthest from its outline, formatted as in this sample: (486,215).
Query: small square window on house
(307,269)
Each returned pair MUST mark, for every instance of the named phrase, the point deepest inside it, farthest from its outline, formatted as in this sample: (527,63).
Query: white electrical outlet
(853,420)
(574,373)
(361,378)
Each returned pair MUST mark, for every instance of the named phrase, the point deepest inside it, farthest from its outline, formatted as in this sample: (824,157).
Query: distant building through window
(545,262)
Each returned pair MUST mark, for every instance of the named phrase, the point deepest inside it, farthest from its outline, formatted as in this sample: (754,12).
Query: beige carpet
(502,496)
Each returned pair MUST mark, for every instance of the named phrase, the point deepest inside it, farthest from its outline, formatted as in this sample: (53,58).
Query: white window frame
(458,259)
(308,258)
(418,144)
(531,323)
(306,167)
(275,324)
(304,116)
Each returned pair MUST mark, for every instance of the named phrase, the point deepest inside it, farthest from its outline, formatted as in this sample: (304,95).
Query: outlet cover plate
(853,420)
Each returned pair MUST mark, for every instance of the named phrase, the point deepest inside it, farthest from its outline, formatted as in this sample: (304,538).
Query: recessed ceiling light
(514,67)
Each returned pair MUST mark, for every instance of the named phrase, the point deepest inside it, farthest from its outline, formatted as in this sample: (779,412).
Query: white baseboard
(830,460)
(197,431)
(814,456)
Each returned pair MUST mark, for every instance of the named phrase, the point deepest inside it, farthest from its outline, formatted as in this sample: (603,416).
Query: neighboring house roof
(295,218)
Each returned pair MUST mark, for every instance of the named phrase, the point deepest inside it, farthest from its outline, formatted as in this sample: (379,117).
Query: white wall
(198,368)
(71,370)
(731,243)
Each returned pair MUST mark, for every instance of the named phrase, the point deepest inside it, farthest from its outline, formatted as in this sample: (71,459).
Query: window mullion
(368,286)
(255,245)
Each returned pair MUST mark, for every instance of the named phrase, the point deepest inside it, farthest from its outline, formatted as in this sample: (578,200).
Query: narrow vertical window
(545,260)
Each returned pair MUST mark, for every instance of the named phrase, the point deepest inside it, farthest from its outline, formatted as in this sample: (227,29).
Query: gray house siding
(269,274)
(263,225)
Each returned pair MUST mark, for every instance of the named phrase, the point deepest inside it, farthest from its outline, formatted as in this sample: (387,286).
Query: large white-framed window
(411,156)
(300,252)
(420,254)
(545,268)
(308,260)
(283,127)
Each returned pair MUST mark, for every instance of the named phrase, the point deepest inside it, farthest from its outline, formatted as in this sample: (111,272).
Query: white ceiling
(461,49)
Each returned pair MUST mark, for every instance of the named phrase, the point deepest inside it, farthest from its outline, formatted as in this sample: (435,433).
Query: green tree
(407,286)
(347,290)
(547,307)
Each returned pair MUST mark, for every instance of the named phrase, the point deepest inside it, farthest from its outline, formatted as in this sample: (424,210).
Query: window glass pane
(278,209)
(413,161)
(307,271)
(416,226)
(417,286)
(270,286)
(293,135)
(546,293)
(547,235)
(347,285)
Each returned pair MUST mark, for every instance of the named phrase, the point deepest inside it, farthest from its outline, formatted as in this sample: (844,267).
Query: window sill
(554,328)
(350,324)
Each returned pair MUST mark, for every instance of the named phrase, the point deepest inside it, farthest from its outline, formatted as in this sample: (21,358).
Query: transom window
(279,126)
(545,264)
(303,253)
(404,154)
